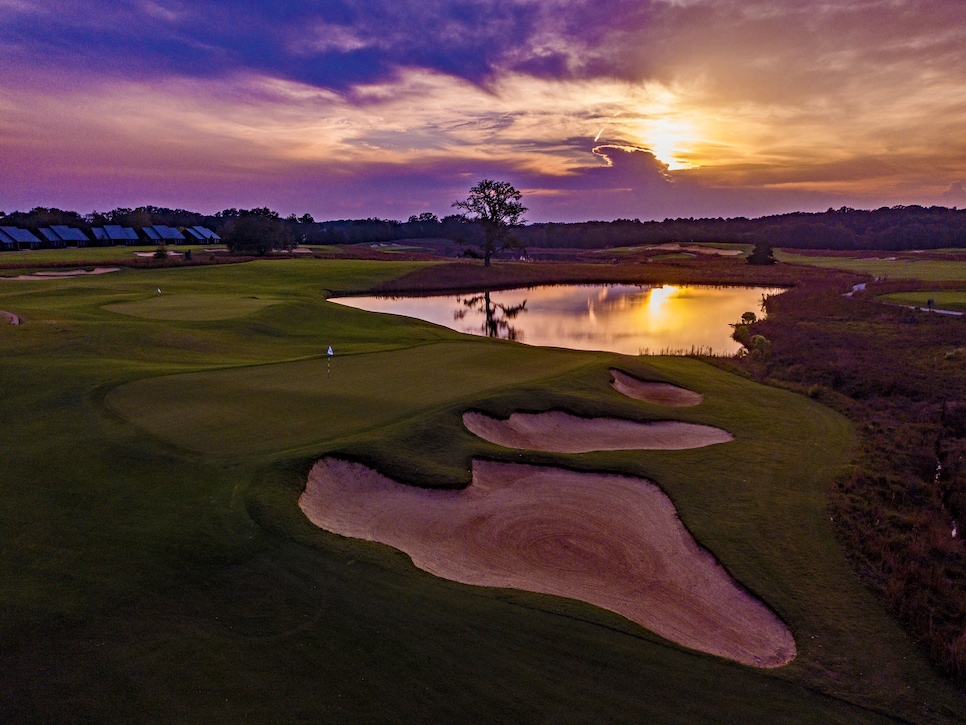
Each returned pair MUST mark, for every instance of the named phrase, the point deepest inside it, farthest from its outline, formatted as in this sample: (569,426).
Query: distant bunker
(655,393)
(612,541)
(65,274)
(558,432)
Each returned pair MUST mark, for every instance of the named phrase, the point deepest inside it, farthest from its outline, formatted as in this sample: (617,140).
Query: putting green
(192,307)
(227,411)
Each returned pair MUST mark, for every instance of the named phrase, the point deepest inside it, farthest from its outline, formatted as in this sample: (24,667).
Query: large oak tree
(495,206)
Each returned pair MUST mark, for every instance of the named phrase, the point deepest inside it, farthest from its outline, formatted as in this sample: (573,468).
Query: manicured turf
(942,299)
(190,307)
(160,570)
(90,255)
(901,268)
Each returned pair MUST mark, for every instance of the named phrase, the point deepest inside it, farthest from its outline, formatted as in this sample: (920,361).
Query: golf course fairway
(155,565)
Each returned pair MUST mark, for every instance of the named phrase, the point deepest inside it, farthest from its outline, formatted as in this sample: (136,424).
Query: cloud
(755,103)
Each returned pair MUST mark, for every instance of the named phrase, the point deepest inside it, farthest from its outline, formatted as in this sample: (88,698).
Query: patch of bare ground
(613,541)
(656,393)
(559,432)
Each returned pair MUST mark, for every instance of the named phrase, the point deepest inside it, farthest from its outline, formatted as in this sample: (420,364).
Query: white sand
(656,393)
(613,541)
(54,274)
(559,432)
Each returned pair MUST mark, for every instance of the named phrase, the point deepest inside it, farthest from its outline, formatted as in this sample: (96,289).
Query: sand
(65,273)
(613,541)
(9,318)
(559,432)
(656,393)
(695,248)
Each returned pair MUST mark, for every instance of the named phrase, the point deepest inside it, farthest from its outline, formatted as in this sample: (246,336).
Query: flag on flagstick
(328,362)
(330,350)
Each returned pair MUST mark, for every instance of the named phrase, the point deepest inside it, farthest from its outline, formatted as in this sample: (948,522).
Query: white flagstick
(328,363)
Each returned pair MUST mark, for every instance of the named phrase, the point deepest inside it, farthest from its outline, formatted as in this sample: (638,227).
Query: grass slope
(161,570)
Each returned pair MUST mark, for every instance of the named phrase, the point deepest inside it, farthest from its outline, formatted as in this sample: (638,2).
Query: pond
(629,319)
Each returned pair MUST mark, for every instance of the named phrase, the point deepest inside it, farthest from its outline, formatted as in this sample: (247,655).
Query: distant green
(190,307)
(942,299)
(900,268)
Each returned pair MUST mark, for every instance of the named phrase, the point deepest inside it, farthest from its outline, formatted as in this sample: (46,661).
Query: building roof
(20,235)
(152,235)
(115,232)
(6,238)
(207,233)
(99,234)
(49,234)
(69,234)
(194,234)
(166,232)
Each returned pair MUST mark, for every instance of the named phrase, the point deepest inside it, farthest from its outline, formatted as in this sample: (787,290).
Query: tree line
(888,228)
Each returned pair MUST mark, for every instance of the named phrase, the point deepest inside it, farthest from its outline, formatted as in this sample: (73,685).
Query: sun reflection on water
(617,318)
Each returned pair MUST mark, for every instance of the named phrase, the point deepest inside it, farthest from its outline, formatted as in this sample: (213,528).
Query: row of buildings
(57,236)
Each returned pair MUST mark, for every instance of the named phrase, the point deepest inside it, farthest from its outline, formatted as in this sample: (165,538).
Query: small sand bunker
(65,274)
(613,541)
(657,393)
(557,432)
(9,318)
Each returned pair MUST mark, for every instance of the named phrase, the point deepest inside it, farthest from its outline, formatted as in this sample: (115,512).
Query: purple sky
(595,110)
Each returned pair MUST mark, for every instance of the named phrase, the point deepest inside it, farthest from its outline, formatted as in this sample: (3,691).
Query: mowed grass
(191,307)
(930,270)
(942,299)
(160,569)
(90,255)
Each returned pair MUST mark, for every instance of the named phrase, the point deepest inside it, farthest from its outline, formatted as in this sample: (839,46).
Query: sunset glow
(604,110)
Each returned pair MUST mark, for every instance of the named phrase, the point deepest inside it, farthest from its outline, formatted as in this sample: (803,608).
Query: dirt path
(9,318)
(609,540)
(656,393)
(559,432)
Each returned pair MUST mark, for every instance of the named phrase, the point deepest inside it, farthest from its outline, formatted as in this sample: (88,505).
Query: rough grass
(141,580)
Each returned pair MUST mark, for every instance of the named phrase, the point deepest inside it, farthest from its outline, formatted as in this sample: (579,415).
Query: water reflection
(496,316)
(618,318)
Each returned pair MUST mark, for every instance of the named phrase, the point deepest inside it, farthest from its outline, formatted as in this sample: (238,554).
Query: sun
(670,140)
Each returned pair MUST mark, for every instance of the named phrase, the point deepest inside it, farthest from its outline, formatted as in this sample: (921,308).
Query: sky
(597,109)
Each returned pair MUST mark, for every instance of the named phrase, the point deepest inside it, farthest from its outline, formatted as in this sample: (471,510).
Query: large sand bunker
(559,432)
(656,393)
(613,541)
(9,318)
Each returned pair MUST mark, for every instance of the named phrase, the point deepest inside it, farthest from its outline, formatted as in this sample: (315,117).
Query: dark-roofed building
(168,234)
(193,236)
(117,233)
(151,234)
(207,234)
(53,240)
(71,234)
(100,235)
(24,238)
(7,242)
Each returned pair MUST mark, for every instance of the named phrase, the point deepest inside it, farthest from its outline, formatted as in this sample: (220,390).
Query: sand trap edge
(656,393)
